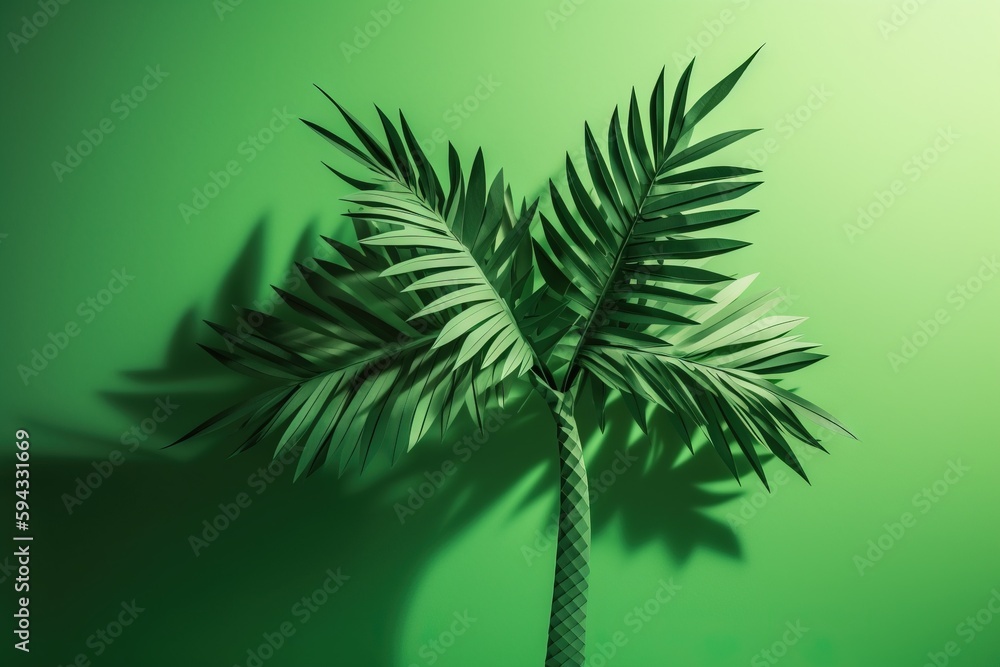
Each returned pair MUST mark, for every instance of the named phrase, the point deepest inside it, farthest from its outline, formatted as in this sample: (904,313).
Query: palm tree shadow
(383,530)
(630,472)
(671,477)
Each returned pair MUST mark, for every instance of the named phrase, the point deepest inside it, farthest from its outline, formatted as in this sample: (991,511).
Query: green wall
(878,221)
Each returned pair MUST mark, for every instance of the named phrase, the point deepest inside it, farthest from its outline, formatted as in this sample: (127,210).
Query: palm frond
(619,242)
(720,378)
(408,330)
(638,317)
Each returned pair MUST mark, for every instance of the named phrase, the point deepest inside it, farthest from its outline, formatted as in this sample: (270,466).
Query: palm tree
(449,299)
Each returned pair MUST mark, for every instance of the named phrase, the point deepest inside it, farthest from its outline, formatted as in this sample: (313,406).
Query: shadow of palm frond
(370,525)
(652,488)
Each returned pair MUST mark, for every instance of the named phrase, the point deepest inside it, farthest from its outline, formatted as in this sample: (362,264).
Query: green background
(747,564)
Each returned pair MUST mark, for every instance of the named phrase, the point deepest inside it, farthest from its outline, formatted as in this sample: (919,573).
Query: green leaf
(703,195)
(683,248)
(705,174)
(675,273)
(715,95)
(686,223)
(703,149)
(390,341)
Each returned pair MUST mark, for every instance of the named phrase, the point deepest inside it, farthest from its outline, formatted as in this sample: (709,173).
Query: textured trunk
(568,619)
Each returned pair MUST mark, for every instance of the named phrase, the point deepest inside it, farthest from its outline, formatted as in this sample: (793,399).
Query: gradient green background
(890,95)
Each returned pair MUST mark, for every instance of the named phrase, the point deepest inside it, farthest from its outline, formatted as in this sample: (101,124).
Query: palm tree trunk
(568,618)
